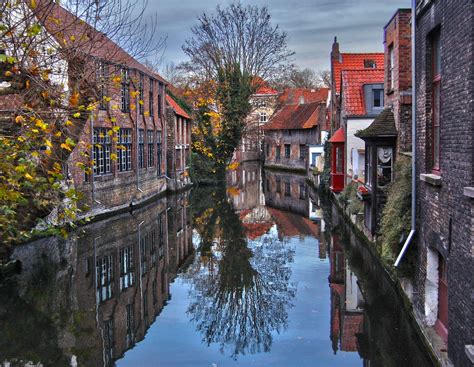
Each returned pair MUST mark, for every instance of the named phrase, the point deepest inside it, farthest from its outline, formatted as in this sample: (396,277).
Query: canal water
(259,273)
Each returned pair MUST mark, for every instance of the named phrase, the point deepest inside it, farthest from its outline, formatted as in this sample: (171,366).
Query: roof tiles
(354,61)
(291,117)
(176,107)
(353,82)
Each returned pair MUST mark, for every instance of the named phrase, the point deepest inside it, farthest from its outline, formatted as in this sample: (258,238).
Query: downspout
(413,135)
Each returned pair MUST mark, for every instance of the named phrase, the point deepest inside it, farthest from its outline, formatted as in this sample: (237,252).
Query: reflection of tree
(241,293)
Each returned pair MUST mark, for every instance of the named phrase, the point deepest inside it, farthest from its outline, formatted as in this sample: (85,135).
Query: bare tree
(238,35)
(323,78)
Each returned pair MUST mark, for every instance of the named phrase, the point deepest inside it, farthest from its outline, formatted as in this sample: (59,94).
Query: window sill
(469,192)
(431,179)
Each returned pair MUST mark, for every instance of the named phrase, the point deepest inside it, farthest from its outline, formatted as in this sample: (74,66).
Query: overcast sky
(311,25)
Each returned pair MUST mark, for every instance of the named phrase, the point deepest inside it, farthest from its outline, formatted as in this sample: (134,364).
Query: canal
(261,272)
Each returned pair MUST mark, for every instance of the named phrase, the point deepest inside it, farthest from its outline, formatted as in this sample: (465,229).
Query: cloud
(310,24)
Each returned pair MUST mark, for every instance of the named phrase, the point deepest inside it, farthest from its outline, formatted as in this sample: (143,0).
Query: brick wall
(397,37)
(445,215)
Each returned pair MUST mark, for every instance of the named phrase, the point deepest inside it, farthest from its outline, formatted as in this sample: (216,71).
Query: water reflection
(98,292)
(262,273)
(240,290)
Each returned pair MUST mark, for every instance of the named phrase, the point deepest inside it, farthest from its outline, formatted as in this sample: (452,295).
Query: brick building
(123,140)
(294,127)
(346,61)
(178,144)
(390,133)
(445,169)
(264,103)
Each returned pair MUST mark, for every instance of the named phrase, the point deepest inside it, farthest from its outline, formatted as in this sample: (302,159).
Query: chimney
(335,54)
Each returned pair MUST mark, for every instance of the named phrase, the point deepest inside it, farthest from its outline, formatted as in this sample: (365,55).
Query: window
(302,191)
(160,100)
(178,159)
(287,150)
(151,148)
(101,153)
(141,148)
(158,151)
(161,235)
(287,188)
(378,98)
(104,280)
(125,90)
(268,150)
(391,63)
(302,151)
(435,105)
(124,150)
(127,277)
(268,185)
(369,64)
(151,106)
(143,257)
(263,117)
(278,185)
(369,165)
(384,166)
(102,76)
(339,160)
(278,153)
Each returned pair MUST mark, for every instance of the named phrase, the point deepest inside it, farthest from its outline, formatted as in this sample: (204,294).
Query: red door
(442,322)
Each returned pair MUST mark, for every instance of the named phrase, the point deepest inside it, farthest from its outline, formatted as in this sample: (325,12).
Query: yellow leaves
(44,94)
(140,102)
(33,4)
(113,119)
(29,177)
(233,166)
(117,79)
(19,119)
(76,115)
(41,124)
(134,94)
(66,147)
(233,191)
(20,168)
(72,38)
(68,123)
(113,156)
(35,154)
(48,143)
(147,114)
(107,99)
(8,73)
(133,107)
(115,129)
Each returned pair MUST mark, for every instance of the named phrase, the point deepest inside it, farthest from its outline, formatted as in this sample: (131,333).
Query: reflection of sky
(173,340)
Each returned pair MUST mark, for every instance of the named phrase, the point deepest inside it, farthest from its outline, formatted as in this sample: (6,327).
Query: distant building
(178,144)
(293,128)
(264,103)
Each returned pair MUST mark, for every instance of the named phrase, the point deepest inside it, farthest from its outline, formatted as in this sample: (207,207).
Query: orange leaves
(74,99)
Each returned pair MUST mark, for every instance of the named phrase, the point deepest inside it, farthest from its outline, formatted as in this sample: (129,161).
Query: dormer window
(370,64)
(263,117)
(377,98)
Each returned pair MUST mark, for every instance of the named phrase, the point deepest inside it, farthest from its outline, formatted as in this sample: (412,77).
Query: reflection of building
(347,315)
(116,281)
(245,186)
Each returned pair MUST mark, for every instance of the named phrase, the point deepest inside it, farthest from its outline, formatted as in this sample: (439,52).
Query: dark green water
(253,275)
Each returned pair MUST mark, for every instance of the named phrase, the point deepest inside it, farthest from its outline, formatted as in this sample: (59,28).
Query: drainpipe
(413,135)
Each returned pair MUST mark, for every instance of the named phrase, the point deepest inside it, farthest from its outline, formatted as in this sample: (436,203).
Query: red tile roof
(292,117)
(352,61)
(176,107)
(352,325)
(353,82)
(291,224)
(73,33)
(266,90)
(339,136)
(292,96)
